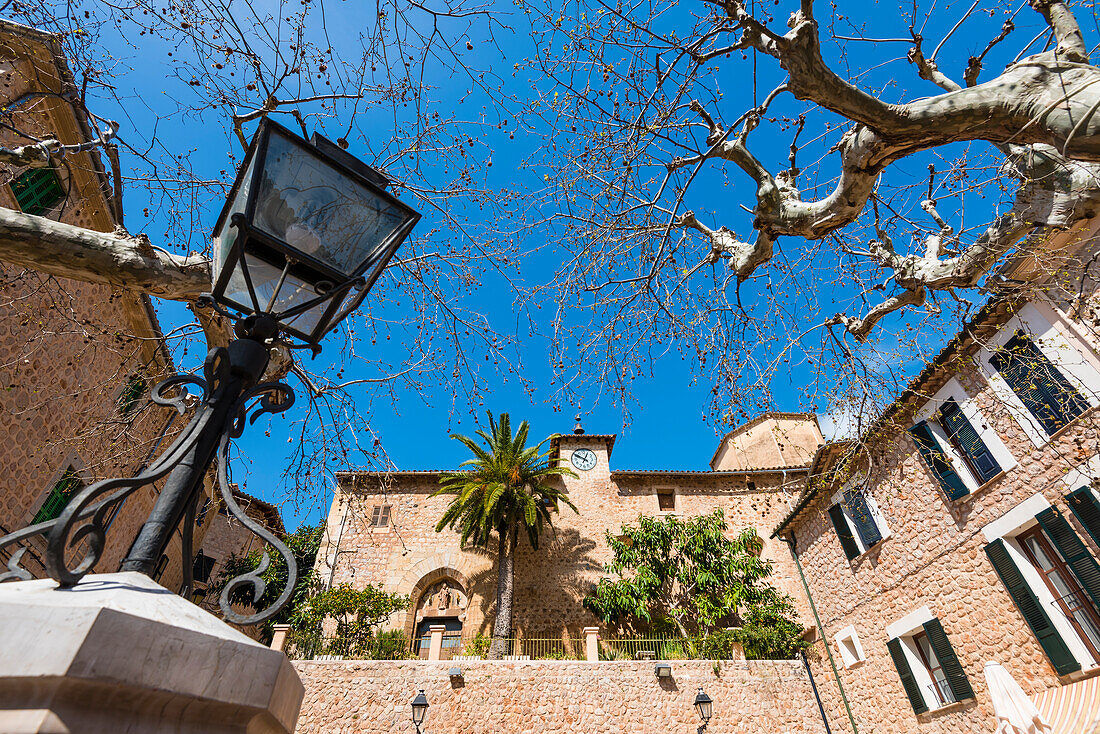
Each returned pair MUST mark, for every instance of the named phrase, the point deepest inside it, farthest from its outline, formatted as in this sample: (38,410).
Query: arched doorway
(441,603)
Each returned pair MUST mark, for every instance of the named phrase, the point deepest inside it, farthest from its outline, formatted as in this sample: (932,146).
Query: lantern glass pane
(319,211)
(227,235)
(293,292)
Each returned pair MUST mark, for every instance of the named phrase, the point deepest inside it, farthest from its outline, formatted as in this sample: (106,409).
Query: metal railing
(355,646)
(647,648)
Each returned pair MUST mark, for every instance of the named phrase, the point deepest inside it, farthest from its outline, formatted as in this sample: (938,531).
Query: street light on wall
(703,707)
(304,235)
(419,709)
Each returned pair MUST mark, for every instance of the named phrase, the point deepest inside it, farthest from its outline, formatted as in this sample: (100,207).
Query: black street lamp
(703,707)
(420,709)
(306,232)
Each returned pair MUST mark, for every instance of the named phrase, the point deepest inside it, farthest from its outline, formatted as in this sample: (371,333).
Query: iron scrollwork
(82,525)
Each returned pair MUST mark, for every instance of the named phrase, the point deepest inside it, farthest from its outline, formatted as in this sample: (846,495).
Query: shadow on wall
(552,581)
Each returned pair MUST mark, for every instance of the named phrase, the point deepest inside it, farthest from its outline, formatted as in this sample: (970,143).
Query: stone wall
(550,697)
(69,348)
(408,555)
(934,557)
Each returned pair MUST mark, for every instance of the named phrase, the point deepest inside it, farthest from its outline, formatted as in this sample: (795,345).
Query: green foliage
(688,577)
(303,544)
(479,645)
(505,489)
(344,621)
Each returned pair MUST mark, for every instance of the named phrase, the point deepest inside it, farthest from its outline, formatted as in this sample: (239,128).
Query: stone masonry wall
(935,557)
(556,697)
(408,555)
(68,348)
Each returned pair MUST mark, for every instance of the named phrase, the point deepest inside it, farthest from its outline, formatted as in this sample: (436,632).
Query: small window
(131,395)
(37,190)
(66,488)
(380,516)
(750,485)
(941,692)
(666,499)
(1041,387)
(968,443)
(851,651)
(204,564)
(858,523)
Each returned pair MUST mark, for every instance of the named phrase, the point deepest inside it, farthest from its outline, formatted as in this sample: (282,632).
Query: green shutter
(864,521)
(1041,387)
(908,682)
(1071,548)
(937,462)
(1053,645)
(847,540)
(59,497)
(1084,505)
(37,190)
(967,440)
(945,654)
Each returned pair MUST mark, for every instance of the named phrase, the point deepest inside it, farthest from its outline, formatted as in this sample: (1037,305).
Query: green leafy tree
(345,621)
(506,489)
(689,576)
(303,543)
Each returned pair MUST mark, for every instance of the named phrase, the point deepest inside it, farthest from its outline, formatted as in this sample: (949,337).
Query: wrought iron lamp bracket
(83,524)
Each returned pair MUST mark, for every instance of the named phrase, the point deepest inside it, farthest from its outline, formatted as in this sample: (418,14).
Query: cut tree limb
(116,258)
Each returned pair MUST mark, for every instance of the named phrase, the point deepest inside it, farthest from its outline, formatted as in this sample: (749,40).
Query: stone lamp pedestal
(118,653)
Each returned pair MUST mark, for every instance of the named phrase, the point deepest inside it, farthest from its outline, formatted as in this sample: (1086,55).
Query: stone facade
(76,359)
(552,697)
(403,553)
(69,350)
(933,561)
(227,537)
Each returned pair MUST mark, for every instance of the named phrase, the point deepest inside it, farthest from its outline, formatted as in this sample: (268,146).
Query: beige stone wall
(67,349)
(769,440)
(935,557)
(552,697)
(408,555)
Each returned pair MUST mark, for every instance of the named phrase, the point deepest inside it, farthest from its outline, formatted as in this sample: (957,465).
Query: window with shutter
(908,681)
(858,510)
(843,532)
(66,488)
(966,440)
(937,462)
(1041,387)
(666,499)
(204,564)
(37,190)
(1031,610)
(1069,572)
(1086,509)
(950,669)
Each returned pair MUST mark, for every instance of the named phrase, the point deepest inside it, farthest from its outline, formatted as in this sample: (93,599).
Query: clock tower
(587,454)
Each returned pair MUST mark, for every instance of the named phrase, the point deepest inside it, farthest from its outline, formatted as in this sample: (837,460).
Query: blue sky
(664,427)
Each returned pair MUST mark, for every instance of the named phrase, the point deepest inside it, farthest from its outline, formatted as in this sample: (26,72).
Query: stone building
(381,527)
(962,526)
(76,359)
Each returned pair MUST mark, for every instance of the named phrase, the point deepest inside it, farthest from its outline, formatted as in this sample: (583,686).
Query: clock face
(583,459)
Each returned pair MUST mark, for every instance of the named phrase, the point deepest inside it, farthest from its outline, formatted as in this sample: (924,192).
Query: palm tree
(506,488)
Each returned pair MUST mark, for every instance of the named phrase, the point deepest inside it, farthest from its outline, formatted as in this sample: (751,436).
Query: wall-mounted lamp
(704,707)
(420,709)
(662,670)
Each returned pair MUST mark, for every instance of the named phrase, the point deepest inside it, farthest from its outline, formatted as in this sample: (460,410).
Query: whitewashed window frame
(1073,359)
(953,390)
(1007,528)
(872,506)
